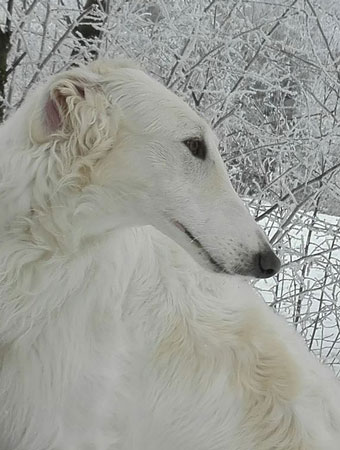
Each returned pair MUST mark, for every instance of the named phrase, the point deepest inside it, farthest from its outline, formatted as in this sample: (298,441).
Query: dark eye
(196,147)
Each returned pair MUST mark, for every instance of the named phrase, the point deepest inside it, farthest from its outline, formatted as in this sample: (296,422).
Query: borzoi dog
(126,318)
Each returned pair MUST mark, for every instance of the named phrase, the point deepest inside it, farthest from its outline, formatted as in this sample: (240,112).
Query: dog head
(142,156)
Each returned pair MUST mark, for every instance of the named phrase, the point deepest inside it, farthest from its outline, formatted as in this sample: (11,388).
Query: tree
(90,26)
(5,39)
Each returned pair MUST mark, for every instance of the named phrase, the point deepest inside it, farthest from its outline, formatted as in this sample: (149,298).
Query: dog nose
(268,264)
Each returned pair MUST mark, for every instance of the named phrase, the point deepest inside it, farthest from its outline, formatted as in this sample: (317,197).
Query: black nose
(268,264)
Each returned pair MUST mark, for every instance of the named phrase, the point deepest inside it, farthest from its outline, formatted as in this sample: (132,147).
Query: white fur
(111,336)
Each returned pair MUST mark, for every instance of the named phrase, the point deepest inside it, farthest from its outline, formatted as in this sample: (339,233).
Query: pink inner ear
(53,118)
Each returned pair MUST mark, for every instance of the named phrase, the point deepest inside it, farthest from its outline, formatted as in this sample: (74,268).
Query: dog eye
(196,147)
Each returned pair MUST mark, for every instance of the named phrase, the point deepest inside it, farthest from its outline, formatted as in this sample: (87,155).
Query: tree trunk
(89,27)
(5,40)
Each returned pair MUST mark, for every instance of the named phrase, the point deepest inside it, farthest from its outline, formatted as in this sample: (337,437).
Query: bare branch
(301,186)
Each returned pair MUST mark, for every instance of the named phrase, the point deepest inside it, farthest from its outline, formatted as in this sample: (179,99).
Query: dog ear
(63,98)
(74,104)
(75,118)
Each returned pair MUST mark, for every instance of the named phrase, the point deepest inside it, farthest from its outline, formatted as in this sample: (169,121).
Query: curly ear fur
(76,120)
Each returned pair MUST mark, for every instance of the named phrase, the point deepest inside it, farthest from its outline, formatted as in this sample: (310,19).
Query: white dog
(112,337)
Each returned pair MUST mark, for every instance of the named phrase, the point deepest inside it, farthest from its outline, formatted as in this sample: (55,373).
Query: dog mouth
(217,266)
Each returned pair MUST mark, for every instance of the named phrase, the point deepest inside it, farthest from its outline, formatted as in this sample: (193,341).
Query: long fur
(115,338)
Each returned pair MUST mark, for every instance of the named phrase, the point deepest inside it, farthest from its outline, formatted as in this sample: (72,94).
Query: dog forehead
(150,105)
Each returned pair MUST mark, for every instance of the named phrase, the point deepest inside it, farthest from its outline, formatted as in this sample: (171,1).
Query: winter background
(265,74)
